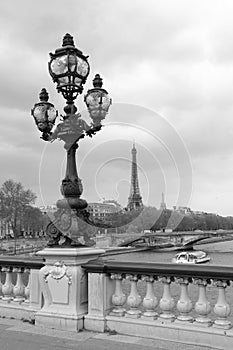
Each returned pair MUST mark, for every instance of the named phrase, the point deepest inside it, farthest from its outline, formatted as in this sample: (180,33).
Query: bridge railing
(182,303)
(20,293)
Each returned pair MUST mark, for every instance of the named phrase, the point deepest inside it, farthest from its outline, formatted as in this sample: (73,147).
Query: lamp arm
(93,130)
(47,136)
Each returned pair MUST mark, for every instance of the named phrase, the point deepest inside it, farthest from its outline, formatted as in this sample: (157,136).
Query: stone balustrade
(69,290)
(181,303)
(20,293)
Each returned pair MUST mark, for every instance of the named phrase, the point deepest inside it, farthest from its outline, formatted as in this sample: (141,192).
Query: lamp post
(69,69)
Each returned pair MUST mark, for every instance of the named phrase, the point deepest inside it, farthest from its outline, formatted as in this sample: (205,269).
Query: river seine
(220,253)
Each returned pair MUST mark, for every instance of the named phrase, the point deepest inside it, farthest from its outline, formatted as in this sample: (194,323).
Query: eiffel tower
(135,199)
(163,204)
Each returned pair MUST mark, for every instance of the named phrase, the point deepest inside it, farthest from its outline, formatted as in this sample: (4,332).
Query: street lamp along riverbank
(69,69)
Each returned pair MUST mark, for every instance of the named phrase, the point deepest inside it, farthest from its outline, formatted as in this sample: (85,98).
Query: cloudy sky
(168,66)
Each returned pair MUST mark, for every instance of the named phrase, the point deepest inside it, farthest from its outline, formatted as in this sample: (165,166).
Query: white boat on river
(192,257)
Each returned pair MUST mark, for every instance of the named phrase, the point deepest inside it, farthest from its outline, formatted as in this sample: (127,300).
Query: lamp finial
(68,40)
(44,96)
(97,81)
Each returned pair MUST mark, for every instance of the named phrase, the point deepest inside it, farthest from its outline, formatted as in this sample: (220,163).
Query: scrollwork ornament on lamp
(69,69)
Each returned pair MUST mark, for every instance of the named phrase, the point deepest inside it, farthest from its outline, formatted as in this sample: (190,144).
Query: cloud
(171,57)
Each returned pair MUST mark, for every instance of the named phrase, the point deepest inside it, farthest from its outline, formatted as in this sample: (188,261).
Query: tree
(14,201)
(186,224)
(211,221)
(33,220)
(162,218)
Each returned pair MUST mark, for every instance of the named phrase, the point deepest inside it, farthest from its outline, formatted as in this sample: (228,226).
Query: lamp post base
(64,230)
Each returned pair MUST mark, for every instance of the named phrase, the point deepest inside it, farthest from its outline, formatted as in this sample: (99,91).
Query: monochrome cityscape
(116,144)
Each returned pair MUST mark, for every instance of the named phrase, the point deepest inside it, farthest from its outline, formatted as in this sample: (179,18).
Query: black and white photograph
(116,181)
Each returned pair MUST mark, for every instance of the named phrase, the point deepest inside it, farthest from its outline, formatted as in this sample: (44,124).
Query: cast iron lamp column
(69,69)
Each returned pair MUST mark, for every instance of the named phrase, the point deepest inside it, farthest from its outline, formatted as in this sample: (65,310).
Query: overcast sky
(168,66)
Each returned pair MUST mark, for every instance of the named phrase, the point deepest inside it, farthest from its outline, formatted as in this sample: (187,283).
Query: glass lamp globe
(97,101)
(69,69)
(44,113)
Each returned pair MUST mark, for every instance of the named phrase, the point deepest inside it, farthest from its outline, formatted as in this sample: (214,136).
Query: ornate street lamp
(69,69)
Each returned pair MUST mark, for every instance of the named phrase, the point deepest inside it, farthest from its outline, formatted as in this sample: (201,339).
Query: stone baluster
(19,287)
(7,288)
(167,303)
(222,308)
(184,304)
(0,283)
(150,301)
(118,298)
(27,287)
(202,306)
(134,299)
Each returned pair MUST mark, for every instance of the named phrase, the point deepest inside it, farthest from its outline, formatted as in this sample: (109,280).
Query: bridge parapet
(187,304)
(20,293)
(181,303)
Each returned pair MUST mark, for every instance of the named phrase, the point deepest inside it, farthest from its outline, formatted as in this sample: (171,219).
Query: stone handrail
(16,261)
(184,270)
(137,299)
(20,295)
